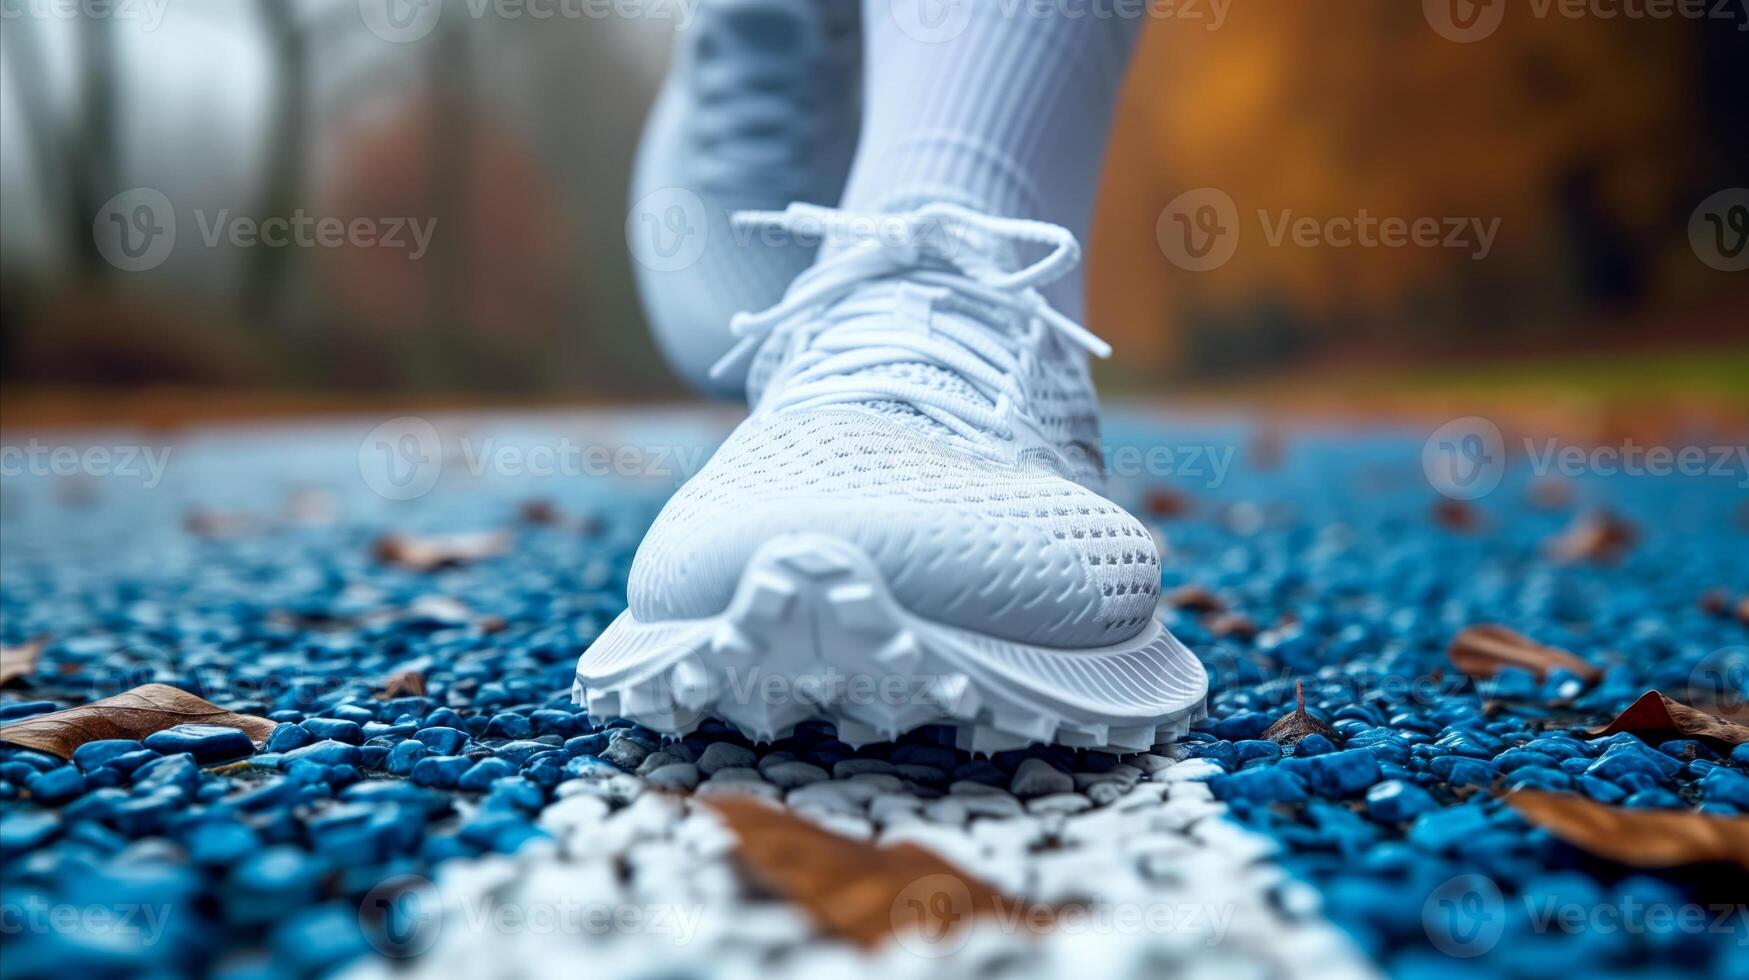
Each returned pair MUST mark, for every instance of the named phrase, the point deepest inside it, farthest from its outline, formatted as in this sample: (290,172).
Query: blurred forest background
(1592,141)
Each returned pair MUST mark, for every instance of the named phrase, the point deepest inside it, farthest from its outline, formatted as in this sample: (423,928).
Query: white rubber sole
(812,632)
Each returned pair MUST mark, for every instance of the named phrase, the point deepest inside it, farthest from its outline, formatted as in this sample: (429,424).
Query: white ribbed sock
(1007,114)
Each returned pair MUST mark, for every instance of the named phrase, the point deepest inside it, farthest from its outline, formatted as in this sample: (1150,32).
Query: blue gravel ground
(249,577)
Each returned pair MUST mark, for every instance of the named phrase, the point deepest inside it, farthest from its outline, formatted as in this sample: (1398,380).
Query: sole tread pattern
(813,632)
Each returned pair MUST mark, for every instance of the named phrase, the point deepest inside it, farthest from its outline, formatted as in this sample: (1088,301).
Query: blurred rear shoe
(909,530)
(760,108)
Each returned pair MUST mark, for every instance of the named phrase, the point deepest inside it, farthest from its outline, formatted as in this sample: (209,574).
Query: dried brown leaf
(1232,624)
(404,684)
(1483,650)
(1297,724)
(1162,503)
(854,890)
(1456,515)
(424,554)
(1551,492)
(19,662)
(131,714)
(1195,598)
(1595,537)
(1715,602)
(1637,837)
(540,511)
(1661,717)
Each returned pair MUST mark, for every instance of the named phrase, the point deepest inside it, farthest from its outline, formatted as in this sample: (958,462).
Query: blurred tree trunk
(451,189)
(288,53)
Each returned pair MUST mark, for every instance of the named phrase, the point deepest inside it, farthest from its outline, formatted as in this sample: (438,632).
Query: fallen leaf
(1715,602)
(404,684)
(539,511)
(1638,837)
(1743,610)
(131,714)
(1456,515)
(314,508)
(859,892)
(1597,537)
(1160,502)
(1551,492)
(1267,448)
(1661,717)
(1483,650)
(425,554)
(19,662)
(1297,724)
(1195,598)
(1232,624)
(216,524)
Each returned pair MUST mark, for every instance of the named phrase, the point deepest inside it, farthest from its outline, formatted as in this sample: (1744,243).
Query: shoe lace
(912,298)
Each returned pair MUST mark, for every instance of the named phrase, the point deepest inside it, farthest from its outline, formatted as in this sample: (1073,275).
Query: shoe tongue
(958,247)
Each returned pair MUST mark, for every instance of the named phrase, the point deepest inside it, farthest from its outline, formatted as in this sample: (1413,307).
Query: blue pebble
(509,724)
(1253,748)
(57,786)
(177,772)
(1740,755)
(479,777)
(1601,790)
(592,745)
(1338,774)
(442,740)
(401,758)
(518,752)
(441,771)
(1654,799)
(1220,752)
(91,755)
(289,736)
(26,709)
(552,721)
(207,743)
(130,762)
(1443,831)
(327,753)
(1538,777)
(1266,785)
(1617,763)
(1395,801)
(335,729)
(1241,726)
(354,712)
(1313,744)
(1725,786)
(26,830)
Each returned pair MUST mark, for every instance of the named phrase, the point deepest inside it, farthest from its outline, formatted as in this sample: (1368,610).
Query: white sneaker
(760,108)
(909,529)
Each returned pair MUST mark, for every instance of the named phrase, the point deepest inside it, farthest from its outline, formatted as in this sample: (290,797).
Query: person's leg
(1001,107)
(759,109)
(910,528)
